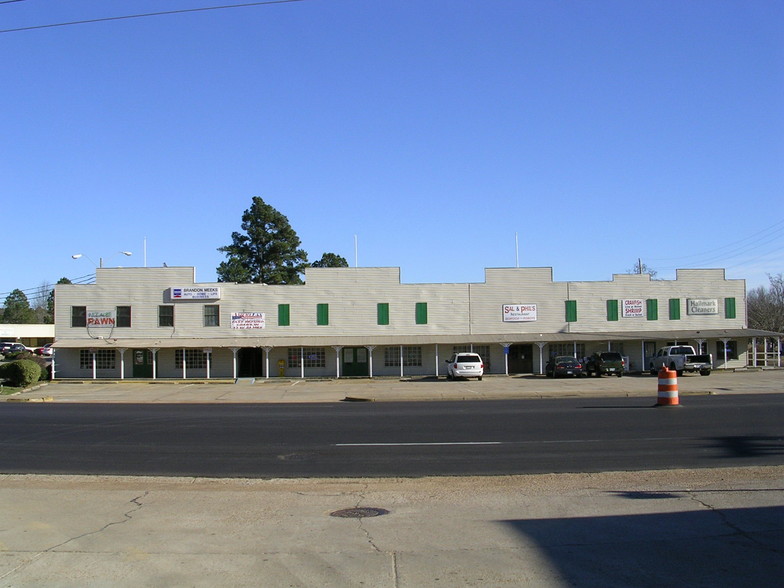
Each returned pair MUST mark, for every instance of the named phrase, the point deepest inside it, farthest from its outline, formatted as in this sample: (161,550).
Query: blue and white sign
(195,293)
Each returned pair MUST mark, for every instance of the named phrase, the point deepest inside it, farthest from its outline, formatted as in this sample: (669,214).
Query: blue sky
(442,136)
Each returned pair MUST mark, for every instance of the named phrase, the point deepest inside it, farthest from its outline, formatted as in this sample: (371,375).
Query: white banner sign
(633,308)
(519,313)
(702,306)
(247,320)
(195,293)
(101,319)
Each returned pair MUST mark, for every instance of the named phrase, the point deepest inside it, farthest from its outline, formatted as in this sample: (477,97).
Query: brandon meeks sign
(195,293)
(519,313)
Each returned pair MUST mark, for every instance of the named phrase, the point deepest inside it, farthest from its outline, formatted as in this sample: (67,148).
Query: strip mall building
(162,323)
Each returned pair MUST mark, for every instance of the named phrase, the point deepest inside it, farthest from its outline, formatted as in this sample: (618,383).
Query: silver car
(464,365)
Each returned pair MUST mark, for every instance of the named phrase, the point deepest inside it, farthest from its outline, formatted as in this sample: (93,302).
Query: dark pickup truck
(608,362)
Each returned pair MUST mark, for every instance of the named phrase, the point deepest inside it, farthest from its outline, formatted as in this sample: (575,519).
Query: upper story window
(421,313)
(322,314)
(78,316)
(211,315)
(166,315)
(382,312)
(123,316)
(284,315)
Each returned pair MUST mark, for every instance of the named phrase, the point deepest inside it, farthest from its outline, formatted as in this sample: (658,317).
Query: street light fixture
(100,259)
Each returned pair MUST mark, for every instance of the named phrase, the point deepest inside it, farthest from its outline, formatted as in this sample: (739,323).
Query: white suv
(464,365)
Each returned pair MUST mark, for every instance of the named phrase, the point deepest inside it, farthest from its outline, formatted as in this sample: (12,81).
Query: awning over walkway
(429,339)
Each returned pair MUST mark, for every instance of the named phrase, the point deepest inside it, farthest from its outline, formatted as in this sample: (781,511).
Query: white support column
(574,349)
(754,351)
(642,357)
(437,360)
(95,372)
(302,362)
(337,349)
(234,352)
(401,361)
(184,366)
(266,361)
(122,362)
(208,353)
(154,352)
(370,349)
(725,341)
(540,345)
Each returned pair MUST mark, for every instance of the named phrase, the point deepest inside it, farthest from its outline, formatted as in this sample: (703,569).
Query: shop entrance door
(250,362)
(355,362)
(142,363)
(521,359)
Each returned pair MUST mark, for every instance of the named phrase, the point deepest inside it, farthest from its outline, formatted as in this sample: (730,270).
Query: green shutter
(729,308)
(284,315)
(383,313)
(571,311)
(612,310)
(421,313)
(675,309)
(322,314)
(653,309)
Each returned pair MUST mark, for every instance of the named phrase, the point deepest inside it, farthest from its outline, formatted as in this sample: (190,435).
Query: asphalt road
(394,439)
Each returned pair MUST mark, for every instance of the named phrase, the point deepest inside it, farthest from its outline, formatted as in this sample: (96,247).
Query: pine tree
(266,252)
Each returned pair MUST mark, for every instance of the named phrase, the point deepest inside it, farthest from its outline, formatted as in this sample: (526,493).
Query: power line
(144,15)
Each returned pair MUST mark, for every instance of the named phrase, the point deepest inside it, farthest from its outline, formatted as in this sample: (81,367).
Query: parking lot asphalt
(286,390)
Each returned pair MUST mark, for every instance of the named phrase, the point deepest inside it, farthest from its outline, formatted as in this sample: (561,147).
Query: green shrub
(43,363)
(22,373)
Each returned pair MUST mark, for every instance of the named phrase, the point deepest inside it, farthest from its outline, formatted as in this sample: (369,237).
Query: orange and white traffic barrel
(668,387)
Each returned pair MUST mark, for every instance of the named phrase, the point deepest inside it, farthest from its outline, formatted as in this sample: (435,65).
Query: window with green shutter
(652,306)
(675,309)
(421,313)
(612,310)
(383,313)
(571,311)
(322,314)
(284,315)
(729,308)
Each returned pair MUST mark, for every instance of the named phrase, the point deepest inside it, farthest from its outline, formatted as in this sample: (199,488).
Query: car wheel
(705,373)
(479,378)
(620,375)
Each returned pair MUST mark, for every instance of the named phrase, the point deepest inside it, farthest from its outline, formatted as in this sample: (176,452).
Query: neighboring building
(30,335)
(161,323)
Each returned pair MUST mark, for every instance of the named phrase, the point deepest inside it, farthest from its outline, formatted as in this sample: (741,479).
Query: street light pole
(100,259)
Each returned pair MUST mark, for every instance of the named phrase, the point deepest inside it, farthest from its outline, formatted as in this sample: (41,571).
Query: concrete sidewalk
(284,390)
(719,527)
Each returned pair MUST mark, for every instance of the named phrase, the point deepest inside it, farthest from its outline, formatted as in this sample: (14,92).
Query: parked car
(563,365)
(464,365)
(10,348)
(608,362)
(45,350)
